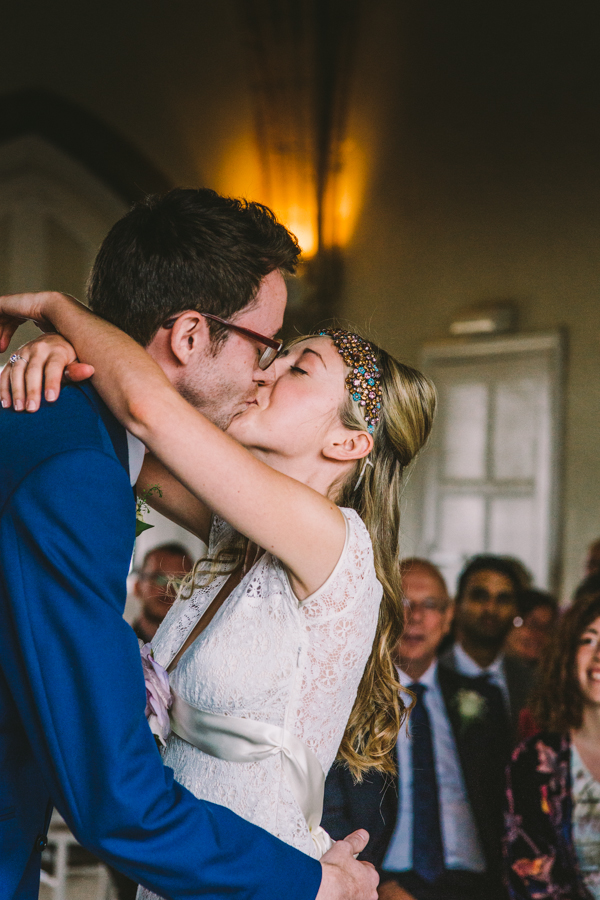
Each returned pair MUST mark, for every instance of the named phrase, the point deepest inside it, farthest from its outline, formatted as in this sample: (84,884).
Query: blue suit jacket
(72,726)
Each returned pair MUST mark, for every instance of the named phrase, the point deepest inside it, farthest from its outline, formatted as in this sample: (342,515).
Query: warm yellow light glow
(349,192)
(302,222)
(239,174)
(291,192)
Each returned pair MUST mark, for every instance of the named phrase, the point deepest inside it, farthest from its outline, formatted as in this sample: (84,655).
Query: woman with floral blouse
(552,839)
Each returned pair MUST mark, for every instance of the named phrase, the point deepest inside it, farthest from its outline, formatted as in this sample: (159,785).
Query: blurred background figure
(552,841)
(486,606)
(522,573)
(435,831)
(155,586)
(154,590)
(592,563)
(533,627)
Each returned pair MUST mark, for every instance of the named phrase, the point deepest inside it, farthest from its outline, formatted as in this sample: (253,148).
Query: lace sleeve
(353,574)
(341,619)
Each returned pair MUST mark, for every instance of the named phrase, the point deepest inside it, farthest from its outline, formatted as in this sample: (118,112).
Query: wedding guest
(552,840)
(435,827)
(486,605)
(532,629)
(155,585)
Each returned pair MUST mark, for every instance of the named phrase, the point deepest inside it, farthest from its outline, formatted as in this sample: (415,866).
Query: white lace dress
(269,657)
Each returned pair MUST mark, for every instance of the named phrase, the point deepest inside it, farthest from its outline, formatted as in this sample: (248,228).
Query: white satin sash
(245,740)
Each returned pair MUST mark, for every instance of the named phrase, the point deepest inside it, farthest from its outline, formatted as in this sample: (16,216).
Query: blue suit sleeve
(74,671)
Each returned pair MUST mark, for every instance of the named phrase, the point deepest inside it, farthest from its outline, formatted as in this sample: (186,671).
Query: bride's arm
(305,530)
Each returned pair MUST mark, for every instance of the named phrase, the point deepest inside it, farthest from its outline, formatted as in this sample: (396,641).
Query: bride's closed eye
(298,369)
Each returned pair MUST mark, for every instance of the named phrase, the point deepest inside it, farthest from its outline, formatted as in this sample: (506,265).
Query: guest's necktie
(428,849)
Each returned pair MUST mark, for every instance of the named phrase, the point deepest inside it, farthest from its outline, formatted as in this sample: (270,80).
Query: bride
(279,648)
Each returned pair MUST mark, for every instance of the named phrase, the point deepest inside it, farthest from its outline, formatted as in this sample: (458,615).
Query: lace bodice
(269,657)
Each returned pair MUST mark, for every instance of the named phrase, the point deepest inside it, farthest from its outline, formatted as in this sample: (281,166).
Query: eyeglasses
(429,605)
(272,345)
(157,578)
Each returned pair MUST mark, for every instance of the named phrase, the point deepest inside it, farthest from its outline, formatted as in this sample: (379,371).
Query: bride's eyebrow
(314,352)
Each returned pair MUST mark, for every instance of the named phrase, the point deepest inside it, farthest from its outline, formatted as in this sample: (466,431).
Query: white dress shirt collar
(136,451)
(467,665)
(427,679)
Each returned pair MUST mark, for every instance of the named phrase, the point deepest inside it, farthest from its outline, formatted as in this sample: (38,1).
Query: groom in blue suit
(73,733)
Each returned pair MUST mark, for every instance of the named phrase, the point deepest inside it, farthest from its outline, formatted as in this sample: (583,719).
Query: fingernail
(18,405)
(50,396)
(5,404)
(31,405)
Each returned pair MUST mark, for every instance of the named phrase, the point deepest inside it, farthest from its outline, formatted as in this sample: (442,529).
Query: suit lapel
(471,752)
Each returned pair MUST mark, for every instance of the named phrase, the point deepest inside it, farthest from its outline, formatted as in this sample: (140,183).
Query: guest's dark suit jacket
(519,680)
(483,750)
(72,727)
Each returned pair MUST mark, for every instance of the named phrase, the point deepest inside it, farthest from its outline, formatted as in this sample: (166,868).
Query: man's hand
(391,890)
(345,878)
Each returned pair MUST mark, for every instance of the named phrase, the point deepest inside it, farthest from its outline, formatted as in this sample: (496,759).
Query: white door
(489,478)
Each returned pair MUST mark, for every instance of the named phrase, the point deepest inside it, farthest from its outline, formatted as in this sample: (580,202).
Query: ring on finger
(16,356)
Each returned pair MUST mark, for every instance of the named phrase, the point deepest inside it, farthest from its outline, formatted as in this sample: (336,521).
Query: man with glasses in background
(435,833)
(155,586)
(197,280)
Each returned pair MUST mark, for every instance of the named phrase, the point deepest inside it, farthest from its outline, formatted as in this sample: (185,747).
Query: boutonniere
(142,507)
(158,695)
(471,706)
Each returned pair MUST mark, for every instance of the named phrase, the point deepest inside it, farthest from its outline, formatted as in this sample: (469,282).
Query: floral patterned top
(540,858)
(586,822)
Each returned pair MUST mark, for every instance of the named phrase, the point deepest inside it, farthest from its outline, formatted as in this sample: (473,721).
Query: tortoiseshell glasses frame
(272,345)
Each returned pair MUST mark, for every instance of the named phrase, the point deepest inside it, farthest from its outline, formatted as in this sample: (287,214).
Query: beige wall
(474,134)
(468,204)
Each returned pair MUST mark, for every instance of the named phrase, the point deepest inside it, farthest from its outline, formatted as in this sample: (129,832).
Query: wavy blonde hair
(407,410)
(406,416)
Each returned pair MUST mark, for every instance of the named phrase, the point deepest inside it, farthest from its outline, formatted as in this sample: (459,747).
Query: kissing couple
(277,655)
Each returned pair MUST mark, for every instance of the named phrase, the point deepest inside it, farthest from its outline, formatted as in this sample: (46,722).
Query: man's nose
(265,376)
(414,611)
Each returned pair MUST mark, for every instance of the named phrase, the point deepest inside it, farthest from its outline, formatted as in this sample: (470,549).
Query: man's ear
(349,445)
(189,336)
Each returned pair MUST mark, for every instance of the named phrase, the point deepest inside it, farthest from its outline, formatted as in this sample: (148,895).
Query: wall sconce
(485,319)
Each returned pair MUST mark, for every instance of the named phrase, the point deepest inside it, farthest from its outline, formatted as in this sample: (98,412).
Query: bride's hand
(42,362)
(17,308)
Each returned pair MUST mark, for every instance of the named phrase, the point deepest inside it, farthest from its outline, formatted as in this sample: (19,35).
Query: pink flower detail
(158,695)
(546,758)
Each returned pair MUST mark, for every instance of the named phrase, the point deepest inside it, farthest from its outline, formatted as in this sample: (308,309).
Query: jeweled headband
(364,380)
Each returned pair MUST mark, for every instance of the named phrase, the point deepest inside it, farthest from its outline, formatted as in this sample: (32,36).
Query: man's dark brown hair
(187,249)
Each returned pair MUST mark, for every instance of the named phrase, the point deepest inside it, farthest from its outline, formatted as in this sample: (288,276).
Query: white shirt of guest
(495,671)
(462,847)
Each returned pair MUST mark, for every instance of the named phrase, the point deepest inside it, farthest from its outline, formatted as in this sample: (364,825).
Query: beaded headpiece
(364,380)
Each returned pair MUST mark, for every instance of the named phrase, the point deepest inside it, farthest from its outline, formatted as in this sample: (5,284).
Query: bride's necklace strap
(245,740)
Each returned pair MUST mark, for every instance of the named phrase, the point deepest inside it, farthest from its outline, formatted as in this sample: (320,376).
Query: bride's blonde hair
(407,409)
(408,402)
